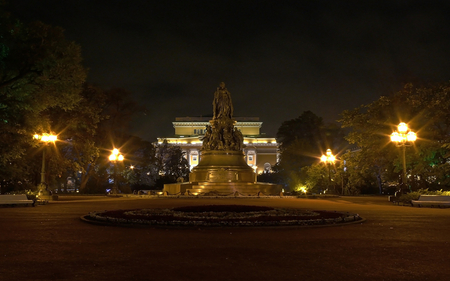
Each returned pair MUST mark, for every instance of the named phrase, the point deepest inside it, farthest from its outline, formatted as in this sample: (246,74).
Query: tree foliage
(78,131)
(140,155)
(426,110)
(96,125)
(43,90)
(301,142)
(39,71)
(171,163)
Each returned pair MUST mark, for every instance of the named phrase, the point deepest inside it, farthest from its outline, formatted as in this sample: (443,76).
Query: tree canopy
(426,110)
(301,142)
(39,71)
(43,90)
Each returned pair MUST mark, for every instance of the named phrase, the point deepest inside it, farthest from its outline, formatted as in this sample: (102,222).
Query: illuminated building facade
(261,152)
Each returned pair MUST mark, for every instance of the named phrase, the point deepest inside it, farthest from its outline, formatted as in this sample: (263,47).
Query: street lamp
(114,157)
(45,138)
(402,138)
(328,159)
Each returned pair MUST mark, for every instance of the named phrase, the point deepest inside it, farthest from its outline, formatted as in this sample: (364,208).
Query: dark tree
(426,110)
(171,164)
(302,141)
(39,71)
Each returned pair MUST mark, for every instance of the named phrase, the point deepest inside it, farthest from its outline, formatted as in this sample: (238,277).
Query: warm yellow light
(401,136)
(395,137)
(411,136)
(115,155)
(52,138)
(329,157)
(402,127)
(46,137)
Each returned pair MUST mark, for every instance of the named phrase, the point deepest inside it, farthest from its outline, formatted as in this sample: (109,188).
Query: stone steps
(233,188)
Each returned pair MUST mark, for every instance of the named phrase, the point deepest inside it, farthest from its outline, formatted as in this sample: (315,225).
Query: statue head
(222,85)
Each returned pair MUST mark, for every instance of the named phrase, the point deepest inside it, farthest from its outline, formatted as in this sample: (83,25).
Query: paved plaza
(50,242)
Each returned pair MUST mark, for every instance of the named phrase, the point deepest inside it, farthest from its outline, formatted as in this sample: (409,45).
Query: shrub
(407,198)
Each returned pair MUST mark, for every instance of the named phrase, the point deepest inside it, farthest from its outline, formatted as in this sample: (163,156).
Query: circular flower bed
(221,215)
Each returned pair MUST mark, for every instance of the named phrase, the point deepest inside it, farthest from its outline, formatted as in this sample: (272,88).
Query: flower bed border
(272,217)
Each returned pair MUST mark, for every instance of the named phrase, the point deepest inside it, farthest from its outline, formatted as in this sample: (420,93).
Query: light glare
(329,157)
(401,137)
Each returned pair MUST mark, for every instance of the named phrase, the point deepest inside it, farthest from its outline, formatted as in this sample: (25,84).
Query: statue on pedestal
(221,134)
(222,169)
(222,105)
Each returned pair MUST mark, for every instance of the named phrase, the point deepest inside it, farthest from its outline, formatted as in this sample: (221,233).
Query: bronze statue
(206,139)
(222,169)
(221,134)
(228,138)
(238,139)
(222,105)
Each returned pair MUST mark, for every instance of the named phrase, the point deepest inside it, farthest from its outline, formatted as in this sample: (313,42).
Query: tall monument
(222,169)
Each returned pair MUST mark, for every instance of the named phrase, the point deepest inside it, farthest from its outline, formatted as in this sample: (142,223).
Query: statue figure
(238,139)
(228,138)
(214,140)
(221,134)
(222,105)
(207,138)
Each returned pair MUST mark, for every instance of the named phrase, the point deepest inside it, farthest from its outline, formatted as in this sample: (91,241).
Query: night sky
(278,58)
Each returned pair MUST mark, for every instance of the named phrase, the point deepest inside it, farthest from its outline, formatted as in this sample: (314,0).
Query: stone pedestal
(222,172)
(222,166)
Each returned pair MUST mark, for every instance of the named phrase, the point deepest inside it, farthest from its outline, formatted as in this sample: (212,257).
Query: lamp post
(403,137)
(328,159)
(45,138)
(114,157)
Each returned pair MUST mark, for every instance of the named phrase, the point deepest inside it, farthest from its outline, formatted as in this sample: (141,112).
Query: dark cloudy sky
(278,58)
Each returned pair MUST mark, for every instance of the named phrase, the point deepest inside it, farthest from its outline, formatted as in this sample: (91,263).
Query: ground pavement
(50,242)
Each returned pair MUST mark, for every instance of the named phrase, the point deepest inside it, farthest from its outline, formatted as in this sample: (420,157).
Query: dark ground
(50,242)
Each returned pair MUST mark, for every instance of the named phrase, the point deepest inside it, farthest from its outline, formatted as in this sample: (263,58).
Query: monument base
(222,166)
(223,173)
(223,189)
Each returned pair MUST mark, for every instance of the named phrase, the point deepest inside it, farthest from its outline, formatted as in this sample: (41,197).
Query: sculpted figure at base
(238,139)
(207,138)
(228,139)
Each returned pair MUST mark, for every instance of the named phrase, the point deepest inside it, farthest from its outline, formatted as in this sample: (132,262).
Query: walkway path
(50,242)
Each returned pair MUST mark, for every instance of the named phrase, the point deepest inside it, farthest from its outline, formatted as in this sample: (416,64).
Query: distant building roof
(206,119)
